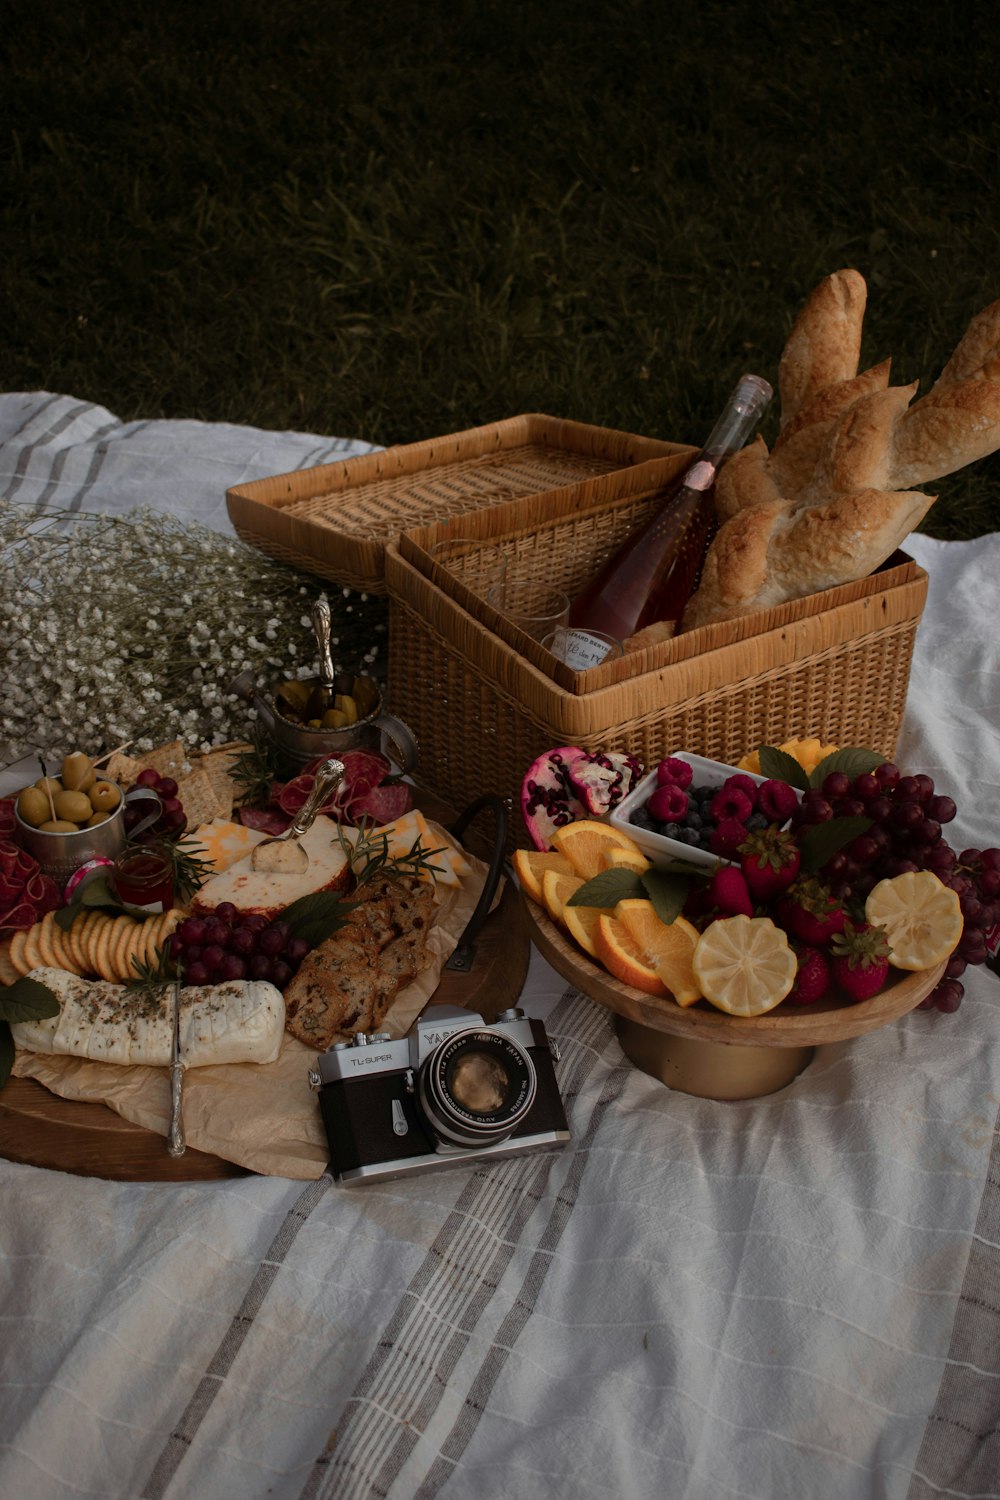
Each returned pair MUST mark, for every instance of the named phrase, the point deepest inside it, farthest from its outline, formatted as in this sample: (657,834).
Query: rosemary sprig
(369,855)
(256,769)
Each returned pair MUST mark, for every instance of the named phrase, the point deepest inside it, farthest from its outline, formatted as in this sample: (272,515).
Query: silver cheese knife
(176,1144)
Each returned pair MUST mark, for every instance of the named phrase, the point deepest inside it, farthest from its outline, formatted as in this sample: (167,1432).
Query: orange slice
(581,924)
(586,842)
(557,888)
(530,865)
(744,965)
(626,859)
(640,949)
(922,917)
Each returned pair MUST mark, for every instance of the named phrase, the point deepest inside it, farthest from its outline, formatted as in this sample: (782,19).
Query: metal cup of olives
(353,719)
(63,826)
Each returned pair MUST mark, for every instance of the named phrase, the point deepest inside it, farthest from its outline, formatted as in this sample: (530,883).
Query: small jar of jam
(143,877)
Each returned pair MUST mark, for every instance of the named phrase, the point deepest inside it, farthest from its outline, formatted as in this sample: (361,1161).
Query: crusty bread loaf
(825,342)
(835,497)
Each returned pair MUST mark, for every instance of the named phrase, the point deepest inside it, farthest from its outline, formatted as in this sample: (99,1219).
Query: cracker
(120,768)
(77,936)
(91,937)
(217,766)
(123,939)
(32,951)
(16,952)
(199,798)
(167,760)
(8,974)
(51,956)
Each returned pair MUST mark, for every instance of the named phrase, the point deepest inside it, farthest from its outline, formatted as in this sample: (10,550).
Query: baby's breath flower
(116,628)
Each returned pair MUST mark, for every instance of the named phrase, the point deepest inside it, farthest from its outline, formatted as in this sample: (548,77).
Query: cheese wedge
(224,842)
(451,865)
(240,1021)
(267,894)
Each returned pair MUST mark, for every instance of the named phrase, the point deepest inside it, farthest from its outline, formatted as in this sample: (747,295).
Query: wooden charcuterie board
(41,1129)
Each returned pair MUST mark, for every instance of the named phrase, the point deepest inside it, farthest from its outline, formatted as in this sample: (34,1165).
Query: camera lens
(476,1088)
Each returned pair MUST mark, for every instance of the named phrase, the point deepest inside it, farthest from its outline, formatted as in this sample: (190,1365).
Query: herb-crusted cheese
(239,1021)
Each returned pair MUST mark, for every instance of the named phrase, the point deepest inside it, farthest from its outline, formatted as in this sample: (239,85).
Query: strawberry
(860,963)
(770,862)
(809,912)
(813,979)
(730,893)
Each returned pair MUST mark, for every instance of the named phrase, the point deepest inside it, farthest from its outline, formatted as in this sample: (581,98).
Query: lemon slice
(586,842)
(640,949)
(922,917)
(531,864)
(744,965)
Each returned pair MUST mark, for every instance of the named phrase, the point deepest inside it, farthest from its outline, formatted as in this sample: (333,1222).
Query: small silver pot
(297,744)
(59,854)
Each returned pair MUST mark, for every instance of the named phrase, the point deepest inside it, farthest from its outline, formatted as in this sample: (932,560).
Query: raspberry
(777,800)
(731,802)
(727,837)
(744,784)
(668,804)
(674,772)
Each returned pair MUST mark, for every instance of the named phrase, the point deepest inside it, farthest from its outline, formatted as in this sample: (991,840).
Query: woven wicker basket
(484,700)
(334,520)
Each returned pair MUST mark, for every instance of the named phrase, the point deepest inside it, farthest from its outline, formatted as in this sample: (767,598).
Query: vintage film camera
(451,1091)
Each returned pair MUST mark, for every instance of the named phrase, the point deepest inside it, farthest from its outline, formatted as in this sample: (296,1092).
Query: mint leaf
(778,765)
(607,889)
(27,1000)
(820,840)
(6,1052)
(316,917)
(667,891)
(852,760)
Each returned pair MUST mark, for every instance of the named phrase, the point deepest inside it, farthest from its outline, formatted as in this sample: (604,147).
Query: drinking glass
(583,649)
(536,608)
(479,565)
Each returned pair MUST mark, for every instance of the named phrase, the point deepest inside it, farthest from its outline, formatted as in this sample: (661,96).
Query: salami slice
(383,804)
(267,820)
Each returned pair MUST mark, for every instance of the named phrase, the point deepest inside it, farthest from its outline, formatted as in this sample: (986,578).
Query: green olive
(78,775)
(33,807)
(58,825)
(51,784)
(72,807)
(99,817)
(105,796)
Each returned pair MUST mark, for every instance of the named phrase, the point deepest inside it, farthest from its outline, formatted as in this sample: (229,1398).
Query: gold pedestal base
(710,1070)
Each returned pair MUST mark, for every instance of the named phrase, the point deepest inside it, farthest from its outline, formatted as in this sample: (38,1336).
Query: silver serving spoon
(284,855)
(321,697)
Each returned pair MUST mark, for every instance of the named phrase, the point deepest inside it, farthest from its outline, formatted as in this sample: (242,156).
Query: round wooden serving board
(43,1130)
(692,1048)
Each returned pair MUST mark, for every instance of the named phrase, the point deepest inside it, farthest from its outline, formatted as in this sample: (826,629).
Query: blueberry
(694,820)
(756,820)
(671,830)
(642,819)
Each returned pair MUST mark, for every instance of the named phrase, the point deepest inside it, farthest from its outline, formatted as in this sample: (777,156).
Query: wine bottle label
(700,476)
(579,649)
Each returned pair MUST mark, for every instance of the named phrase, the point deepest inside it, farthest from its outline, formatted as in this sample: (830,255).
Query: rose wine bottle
(657,567)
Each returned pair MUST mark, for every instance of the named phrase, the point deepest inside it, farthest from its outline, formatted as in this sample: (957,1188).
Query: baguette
(837,494)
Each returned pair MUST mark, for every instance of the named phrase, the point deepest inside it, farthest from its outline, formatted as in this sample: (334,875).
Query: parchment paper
(263,1117)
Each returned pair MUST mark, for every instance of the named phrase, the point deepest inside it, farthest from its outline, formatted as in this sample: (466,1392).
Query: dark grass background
(395,220)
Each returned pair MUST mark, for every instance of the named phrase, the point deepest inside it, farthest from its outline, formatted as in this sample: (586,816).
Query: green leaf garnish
(27,1000)
(852,760)
(820,840)
(316,917)
(778,765)
(668,892)
(608,888)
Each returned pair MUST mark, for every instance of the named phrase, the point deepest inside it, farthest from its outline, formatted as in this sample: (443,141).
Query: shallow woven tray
(334,520)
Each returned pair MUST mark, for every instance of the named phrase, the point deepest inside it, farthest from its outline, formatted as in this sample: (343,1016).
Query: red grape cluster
(232,945)
(908,816)
(171,822)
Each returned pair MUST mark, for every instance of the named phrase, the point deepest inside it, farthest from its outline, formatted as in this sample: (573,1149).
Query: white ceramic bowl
(663,852)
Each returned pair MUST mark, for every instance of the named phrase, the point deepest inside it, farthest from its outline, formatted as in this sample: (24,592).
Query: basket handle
(465,952)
